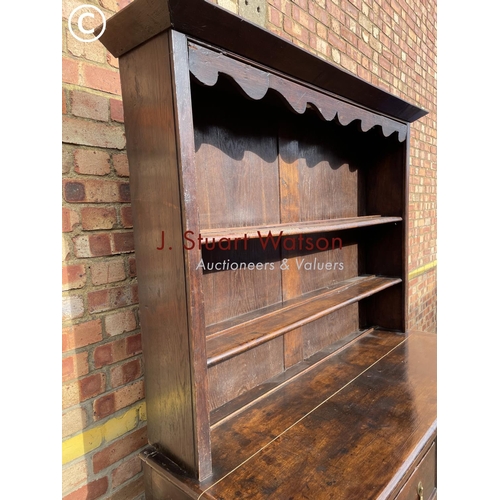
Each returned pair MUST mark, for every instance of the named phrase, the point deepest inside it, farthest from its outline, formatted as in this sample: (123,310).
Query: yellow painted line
(422,270)
(87,441)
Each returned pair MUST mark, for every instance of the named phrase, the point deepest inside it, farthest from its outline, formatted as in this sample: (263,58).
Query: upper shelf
(308,227)
(206,65)
(237,335)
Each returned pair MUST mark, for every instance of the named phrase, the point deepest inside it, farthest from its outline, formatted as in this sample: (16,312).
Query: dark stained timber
(224,342)
(206,65)
(289,229)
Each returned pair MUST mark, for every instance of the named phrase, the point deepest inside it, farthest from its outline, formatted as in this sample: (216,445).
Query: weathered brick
(130,491)
(89,105)
(120,163)
(125,373)
(348,63)
(73,475)
(350,9)
(73,276)
(375,44)
(104,406)
(73,421)
(70,219)
(365,22)
(121,322)
(112,60)
(348,35)
(119,449)
(303,18)
(67,158)
(107,272)
(117,400)
(126,471)
(91,51)
(66,249)
(133,344)
(75,366)
(337,42)
(93,245)
(98,218)
(89,491)
(126,217)
(92,386)
(69,70)
(95,191)
(123,3)
(81,335)
(99,245)
(64,105)
(123,242)
(275,16)
(321,31)
(92,162)
(72,307)
(89,133)
(98,78)
(336,12)
(295,29)
(230,5)
(319,12)
(116,351)
(112,298)
(70,394)
(132,267)
(320,45)
(116,110)
(110,4)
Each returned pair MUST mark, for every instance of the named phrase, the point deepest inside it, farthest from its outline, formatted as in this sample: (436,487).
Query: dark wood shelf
(308,227)
(248,398)
(232,337)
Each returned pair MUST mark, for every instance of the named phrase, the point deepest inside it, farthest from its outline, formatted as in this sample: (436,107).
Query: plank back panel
(237,185)
(236,160)
(254,284)
(237,375)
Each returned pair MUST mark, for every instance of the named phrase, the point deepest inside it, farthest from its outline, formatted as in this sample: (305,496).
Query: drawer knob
(420,491)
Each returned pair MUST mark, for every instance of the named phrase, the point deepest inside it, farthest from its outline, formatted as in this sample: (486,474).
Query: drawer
(425,476)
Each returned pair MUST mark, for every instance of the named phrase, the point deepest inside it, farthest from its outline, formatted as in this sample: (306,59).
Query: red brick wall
(390,44)
(103,389)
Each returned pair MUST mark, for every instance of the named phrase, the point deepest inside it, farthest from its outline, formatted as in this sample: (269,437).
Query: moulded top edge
(206,65)
(143,19)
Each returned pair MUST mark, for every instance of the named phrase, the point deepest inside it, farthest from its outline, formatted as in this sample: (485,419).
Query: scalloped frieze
(206,65)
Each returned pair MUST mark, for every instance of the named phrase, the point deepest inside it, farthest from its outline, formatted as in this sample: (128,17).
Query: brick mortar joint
(89,403)
(88,62)
(89,90)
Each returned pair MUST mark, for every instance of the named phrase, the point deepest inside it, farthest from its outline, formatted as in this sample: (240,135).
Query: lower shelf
(353,426)
(235,336)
